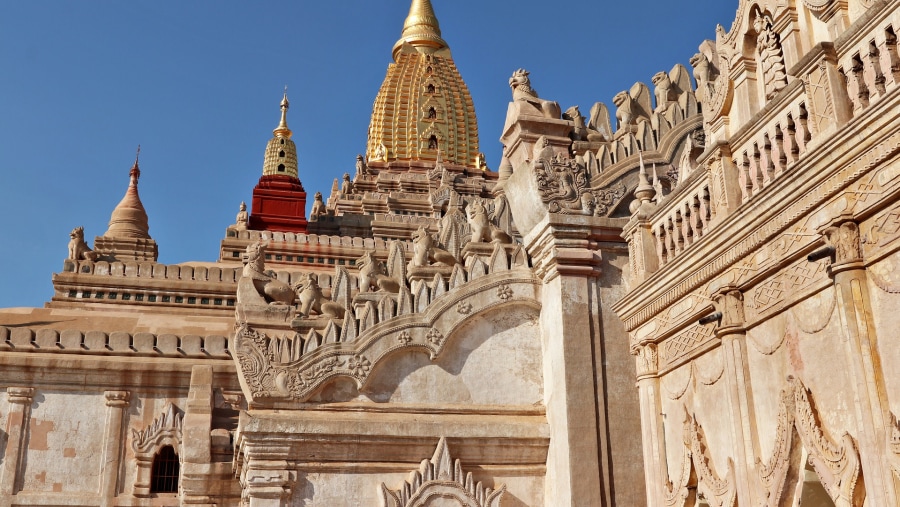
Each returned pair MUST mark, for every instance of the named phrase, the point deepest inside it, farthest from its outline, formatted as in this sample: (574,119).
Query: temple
(686,298)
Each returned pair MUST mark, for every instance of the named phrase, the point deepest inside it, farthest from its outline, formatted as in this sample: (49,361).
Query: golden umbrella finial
(282,129)
(421,28)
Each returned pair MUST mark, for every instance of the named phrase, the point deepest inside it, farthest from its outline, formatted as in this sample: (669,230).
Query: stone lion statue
(318,207)
(311,299)
(373,275)
(425,250)
(257,283)
(522,91)
(78,249)
(662,91)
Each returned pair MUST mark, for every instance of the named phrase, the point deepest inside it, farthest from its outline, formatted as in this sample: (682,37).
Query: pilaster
(20,399)
(196,428)
(116,402)
(652,430)
(725,180)
(732,333)
(863,361)
(266,483)
(564,256)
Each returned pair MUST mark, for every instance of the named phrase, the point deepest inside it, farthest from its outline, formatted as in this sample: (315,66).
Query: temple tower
(423,106)
(128,235)
(279,201)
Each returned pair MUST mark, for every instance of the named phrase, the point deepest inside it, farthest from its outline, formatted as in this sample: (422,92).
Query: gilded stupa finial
(282,129)
(421,28)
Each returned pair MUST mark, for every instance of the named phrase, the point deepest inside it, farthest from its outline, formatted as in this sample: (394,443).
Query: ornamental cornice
(742,236)
(265,378)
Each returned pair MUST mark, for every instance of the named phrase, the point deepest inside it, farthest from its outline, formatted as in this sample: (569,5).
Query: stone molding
(442,478)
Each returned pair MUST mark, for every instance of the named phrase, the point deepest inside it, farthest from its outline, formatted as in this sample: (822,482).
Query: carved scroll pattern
(717,491)
(441,479)
(782,471)
(683,491)
(837,465)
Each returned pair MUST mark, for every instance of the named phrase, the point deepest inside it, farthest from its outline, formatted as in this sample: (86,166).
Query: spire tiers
(281,152)
(128,235)
(129,219)
(421,28)
(423,106)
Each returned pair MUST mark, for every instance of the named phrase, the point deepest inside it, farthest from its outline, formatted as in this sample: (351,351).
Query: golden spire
(282,129)
(421,28)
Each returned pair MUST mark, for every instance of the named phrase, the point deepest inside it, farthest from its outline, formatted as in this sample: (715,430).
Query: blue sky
(197,85)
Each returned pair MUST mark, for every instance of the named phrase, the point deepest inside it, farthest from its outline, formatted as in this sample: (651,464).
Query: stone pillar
(862,361)
(569,267)
(827,102)
(725,185)
(266,483)
(117,401)
(652,431)
(732,333)
(196,446)
(20,399)
(642,253)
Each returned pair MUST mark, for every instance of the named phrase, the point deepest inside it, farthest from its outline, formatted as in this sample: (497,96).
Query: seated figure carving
(258,286)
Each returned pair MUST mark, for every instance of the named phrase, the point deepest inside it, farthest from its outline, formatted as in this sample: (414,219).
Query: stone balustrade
(869,61)
(682,220)
(773,143)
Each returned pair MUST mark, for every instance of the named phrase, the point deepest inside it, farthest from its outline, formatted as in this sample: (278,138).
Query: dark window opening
(281,168)
(164,475)
(432,143)
(432,114)
(430,88)
(281,153)
(282,141)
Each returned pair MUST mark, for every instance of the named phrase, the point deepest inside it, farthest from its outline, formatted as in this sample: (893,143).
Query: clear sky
(197,85)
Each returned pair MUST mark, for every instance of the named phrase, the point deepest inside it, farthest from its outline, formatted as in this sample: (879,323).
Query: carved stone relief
(564,185)
(440,481)
(836,464)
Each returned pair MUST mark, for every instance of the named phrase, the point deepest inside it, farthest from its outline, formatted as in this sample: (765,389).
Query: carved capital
(20,395)
(730,302)
(117,399)
(647,360)
(844,237)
